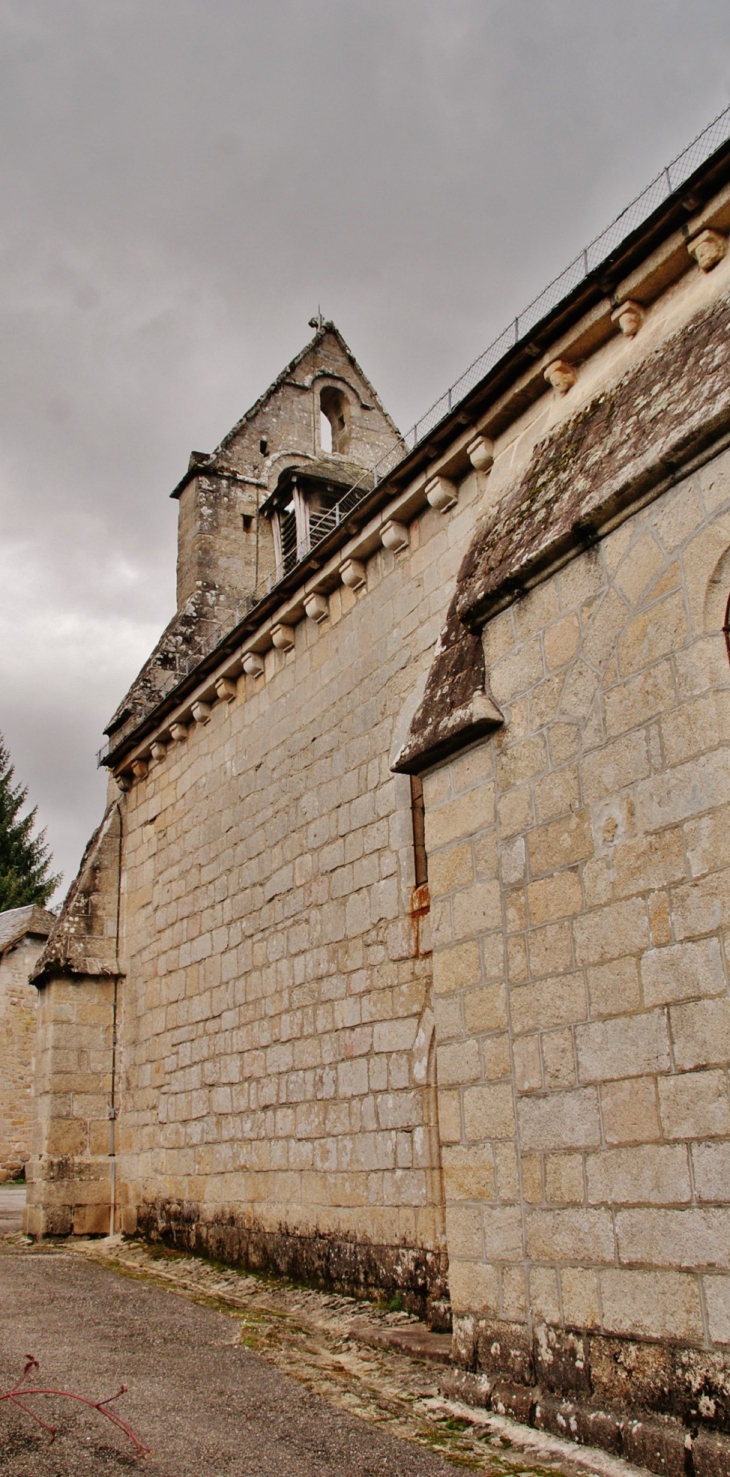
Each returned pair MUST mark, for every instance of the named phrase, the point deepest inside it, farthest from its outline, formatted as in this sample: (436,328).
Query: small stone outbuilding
(23,933)
(399,961)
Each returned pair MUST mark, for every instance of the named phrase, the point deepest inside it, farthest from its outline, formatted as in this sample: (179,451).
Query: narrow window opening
(288,526)
(726,629)
(247,521)
(325,432)
(263,445)
(419,831)
(334,420)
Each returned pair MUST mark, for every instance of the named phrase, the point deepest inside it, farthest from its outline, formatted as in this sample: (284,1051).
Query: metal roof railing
(592,256)
(669,179)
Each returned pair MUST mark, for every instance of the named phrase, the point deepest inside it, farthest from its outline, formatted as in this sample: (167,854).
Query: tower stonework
(401,957)
(223,545)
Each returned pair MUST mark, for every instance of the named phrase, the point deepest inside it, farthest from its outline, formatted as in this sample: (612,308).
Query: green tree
(24,858)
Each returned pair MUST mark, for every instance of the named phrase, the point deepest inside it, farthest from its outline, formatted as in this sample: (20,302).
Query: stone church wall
(317,1063)
(70,1175)
(275,1017)
(579,865)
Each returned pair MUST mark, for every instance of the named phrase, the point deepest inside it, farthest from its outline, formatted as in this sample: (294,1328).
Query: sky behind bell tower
(184,182)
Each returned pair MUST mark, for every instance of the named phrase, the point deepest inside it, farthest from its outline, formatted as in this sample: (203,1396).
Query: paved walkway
(12,1205)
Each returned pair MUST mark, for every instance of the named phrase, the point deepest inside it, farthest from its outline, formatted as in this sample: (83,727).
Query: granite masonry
(399,960)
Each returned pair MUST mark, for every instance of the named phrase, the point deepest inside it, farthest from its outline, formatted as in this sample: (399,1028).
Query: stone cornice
(626,447)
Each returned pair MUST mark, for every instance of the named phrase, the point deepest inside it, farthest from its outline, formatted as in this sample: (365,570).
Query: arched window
(334,420)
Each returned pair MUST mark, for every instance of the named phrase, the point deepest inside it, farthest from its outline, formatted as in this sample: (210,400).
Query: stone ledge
(83,940)
(661,1444)
(660,1406)
(456,709)
(418,1343)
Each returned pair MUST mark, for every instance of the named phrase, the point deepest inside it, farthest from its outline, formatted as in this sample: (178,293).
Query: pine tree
(24,858)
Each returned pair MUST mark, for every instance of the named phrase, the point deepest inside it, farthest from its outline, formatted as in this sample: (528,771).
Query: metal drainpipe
(113,1116)
(112,1109)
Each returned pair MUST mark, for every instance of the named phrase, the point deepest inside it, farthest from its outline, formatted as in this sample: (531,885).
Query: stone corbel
(201,711)
(253,664)
(708,249)
(124,781)
(629,317)
(225,689)
(394,536)
(442,494)
(179,732)
(561,375)
(480,452)
(159,751)
(352,574)
(282,637)
(317,607)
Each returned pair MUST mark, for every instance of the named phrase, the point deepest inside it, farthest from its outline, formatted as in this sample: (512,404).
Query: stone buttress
(77,975)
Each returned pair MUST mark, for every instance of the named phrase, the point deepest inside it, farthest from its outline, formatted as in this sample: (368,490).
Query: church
(399,960)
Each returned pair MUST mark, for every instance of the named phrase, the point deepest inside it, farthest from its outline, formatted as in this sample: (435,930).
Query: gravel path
(231,1375)
(205,1405)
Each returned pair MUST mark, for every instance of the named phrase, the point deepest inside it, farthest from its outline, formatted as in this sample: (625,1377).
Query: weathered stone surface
(455,709)
(84,938)
(23,932)
(649,1404)
(368,1019)
(415,1276)
(631,436)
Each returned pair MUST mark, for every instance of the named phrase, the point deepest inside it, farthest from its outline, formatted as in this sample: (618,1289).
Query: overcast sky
(183,182)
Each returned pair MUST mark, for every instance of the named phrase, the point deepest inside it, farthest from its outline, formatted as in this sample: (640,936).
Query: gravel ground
(231,1375)
(205,1405)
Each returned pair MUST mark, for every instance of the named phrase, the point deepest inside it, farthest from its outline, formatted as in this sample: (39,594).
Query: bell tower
(246,511)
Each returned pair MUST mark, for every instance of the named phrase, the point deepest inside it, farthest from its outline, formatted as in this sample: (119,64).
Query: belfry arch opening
(334,420)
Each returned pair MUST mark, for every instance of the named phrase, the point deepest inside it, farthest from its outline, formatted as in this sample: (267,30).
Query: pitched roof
(201,460)
(16,923)
(327,328)
(84,936)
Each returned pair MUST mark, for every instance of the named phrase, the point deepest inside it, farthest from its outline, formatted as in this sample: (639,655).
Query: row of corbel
(707,246)
(440,492)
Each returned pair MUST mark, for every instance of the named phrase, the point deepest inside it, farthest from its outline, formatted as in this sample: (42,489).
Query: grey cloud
(184,181)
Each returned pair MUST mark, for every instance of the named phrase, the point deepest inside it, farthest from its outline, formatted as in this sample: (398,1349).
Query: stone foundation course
(410,1277)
